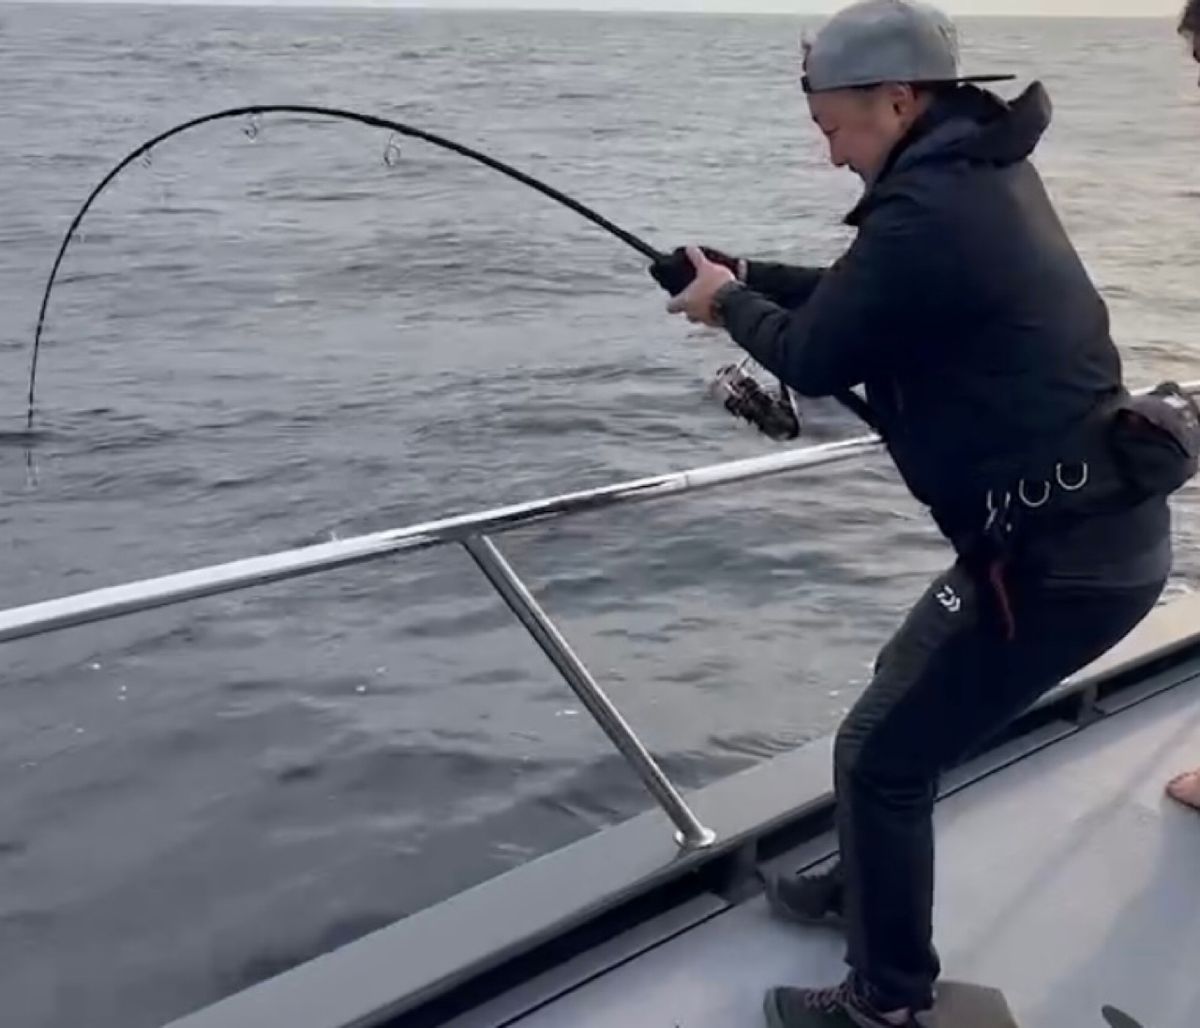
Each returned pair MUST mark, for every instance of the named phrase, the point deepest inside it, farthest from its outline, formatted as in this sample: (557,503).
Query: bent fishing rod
(777,417)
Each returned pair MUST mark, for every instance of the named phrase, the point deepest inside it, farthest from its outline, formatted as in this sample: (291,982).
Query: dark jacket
(961,306)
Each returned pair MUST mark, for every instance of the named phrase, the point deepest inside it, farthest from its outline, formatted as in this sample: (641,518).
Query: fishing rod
(777,417)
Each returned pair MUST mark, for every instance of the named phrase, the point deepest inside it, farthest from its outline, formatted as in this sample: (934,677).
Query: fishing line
(779,420)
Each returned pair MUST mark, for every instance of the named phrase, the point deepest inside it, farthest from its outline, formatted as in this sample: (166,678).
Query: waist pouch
(1154,440)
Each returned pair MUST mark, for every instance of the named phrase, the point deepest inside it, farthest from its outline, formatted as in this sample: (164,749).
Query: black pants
(947,680)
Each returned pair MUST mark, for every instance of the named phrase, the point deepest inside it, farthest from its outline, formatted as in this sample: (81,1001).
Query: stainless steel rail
(692,834)
(472,531)
(122,600)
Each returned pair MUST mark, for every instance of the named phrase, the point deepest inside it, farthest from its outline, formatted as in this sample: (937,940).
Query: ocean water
(263,342)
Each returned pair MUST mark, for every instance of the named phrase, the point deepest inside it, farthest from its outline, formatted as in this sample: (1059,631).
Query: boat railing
(475,533)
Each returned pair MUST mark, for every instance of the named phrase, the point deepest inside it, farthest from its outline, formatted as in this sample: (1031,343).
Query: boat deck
(1067,879)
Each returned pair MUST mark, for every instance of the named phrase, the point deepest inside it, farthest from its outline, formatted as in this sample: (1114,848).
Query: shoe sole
(775,1018)
(771,1010)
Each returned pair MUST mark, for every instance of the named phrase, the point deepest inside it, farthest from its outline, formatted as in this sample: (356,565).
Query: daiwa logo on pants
(949,599)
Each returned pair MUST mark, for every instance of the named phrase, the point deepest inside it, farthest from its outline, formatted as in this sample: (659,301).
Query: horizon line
(519,8)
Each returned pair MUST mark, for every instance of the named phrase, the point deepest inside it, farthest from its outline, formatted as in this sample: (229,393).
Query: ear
(900,97)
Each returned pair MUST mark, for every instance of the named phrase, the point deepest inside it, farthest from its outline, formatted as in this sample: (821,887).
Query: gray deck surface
(1067,880)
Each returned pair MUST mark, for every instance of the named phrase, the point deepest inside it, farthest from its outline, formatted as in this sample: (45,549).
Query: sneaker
(808,899)
(842,1006)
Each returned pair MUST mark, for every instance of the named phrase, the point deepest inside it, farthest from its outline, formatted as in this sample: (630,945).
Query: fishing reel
(776,416)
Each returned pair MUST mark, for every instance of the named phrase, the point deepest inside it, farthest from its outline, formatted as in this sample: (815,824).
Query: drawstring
(1000,588)
(998,537)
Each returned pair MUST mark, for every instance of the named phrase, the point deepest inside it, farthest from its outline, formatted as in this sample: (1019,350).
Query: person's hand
(674,271)
(696,301)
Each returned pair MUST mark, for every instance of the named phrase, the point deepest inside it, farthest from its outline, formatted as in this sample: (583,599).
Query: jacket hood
(970,124)
(1002,133)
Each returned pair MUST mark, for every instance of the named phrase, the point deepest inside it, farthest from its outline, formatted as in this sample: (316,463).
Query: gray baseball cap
(877,41)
